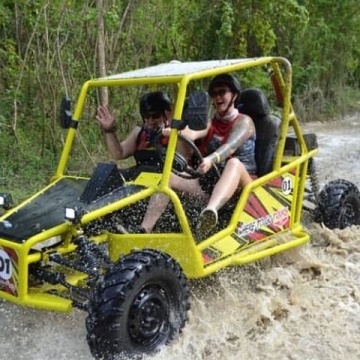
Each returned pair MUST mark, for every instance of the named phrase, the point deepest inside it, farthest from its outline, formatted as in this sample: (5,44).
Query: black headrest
(254,103)
(195,112)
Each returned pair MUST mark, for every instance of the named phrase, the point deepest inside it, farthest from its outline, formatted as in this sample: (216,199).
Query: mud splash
(304,304)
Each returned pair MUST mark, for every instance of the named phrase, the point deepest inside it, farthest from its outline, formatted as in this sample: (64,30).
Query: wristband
(109,131)
(217,156)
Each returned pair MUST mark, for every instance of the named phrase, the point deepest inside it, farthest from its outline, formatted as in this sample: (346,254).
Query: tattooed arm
(241,131)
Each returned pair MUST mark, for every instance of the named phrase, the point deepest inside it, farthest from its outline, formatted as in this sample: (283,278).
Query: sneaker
(207,221)
(130,229)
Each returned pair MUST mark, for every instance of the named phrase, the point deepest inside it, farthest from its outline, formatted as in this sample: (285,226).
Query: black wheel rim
(148,323)
(349,215)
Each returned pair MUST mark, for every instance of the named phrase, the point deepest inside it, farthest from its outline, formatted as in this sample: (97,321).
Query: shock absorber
(87,256)
(314,181)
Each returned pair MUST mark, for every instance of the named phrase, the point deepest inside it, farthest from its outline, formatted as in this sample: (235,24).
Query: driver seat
(254,103)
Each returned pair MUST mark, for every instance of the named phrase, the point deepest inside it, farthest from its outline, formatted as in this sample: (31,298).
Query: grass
(312,105)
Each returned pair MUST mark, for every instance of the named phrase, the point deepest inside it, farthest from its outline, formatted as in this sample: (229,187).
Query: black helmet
(154,102)
(225,79)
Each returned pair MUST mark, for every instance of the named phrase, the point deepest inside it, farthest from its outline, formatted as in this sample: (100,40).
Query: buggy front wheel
(140,306)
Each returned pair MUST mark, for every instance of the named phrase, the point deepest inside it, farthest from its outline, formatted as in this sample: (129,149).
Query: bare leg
(188,186)
(157,205)
(158,202)
(233,176)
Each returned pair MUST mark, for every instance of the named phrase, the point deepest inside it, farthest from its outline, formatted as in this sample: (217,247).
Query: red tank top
(218,128)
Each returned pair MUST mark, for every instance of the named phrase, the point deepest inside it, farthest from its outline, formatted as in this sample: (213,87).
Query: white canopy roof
(176,68)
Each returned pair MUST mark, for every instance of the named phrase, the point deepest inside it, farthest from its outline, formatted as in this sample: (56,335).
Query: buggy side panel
(267,212)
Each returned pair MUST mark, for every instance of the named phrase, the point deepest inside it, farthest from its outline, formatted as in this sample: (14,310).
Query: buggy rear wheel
(141,305)
(339,205)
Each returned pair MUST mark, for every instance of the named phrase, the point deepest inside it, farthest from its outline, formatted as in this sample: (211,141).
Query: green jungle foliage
(49,48)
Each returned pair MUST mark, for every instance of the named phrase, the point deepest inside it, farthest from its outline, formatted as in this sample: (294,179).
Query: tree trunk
(101,58)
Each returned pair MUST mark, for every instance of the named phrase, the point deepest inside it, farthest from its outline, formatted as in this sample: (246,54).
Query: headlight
(6,201)
(73,214)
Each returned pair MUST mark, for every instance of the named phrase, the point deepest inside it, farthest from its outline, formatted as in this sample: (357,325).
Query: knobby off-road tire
(339,205)
(141,305)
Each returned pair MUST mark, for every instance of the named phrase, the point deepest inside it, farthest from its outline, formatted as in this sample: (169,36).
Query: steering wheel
(185,167)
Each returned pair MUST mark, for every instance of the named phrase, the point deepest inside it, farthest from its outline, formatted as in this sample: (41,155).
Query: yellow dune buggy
(62,247)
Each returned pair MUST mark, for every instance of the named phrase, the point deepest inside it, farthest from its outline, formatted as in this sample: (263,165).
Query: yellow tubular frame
(181,246)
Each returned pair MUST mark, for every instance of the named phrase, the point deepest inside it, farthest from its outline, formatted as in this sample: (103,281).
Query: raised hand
(105,118)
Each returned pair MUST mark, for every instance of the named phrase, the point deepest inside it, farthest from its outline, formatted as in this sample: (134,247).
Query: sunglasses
(220,92)
(152,115)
